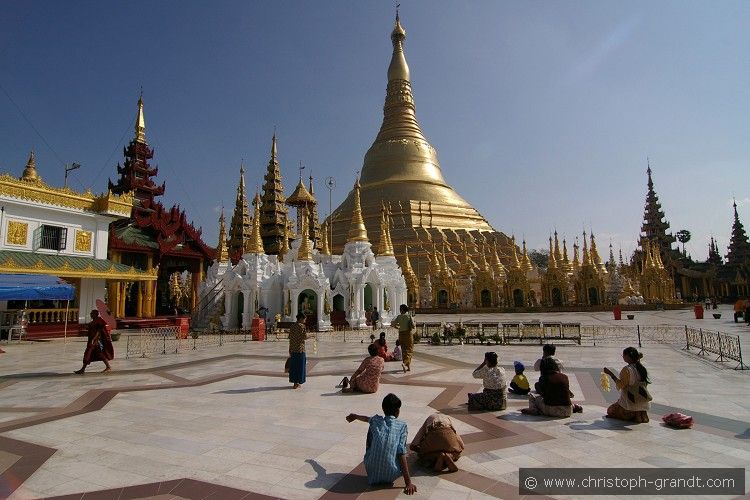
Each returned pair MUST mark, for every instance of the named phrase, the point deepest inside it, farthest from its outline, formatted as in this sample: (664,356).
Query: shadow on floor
(340,483)
(254,389)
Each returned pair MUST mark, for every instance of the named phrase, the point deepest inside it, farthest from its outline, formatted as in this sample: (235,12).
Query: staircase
(208,309)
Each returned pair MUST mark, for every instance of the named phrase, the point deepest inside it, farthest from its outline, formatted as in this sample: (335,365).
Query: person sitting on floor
(437,443)
(548,351)
(382,346)
(493,397)
(519,384)
(385,454)
(396,353)
(634,399)
(367,377)
(554,395)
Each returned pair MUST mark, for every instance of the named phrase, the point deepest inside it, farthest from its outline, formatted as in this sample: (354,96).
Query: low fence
(725,347)
(166,340)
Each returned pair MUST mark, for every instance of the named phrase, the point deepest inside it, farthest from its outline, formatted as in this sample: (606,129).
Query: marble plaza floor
(222,422)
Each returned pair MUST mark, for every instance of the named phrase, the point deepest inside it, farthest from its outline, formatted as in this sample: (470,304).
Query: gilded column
(139,300)
(121,305)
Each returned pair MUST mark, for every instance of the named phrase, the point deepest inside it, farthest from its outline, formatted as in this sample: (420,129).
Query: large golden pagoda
(401,169)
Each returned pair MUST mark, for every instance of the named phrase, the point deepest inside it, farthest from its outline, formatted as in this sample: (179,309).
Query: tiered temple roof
(273,210)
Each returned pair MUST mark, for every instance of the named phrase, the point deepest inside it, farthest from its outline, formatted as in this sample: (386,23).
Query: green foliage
(539,257)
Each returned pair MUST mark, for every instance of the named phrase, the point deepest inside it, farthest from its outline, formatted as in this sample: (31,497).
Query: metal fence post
(638,329)
(127,347)
(687,339)
(721,354)
(703,349)
(739,353)
(164,350)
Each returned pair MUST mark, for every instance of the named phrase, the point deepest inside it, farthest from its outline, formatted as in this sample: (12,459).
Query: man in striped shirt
(385,454)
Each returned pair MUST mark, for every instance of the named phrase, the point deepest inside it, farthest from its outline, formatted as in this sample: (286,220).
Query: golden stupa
(401,170)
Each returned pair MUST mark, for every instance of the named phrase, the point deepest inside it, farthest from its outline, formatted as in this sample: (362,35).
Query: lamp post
(68,168)
(330,184)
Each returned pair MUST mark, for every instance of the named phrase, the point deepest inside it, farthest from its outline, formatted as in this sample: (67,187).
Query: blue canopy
(34,287)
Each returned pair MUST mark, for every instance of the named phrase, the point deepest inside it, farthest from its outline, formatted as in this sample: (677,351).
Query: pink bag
(678,420)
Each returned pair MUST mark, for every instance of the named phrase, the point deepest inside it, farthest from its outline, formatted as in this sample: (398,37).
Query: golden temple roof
(301,196)
(385,247)
(324,248)
(222,254)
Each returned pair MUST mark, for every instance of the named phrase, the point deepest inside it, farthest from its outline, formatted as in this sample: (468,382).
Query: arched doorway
(486,298)
(240,308)
(307,303)
(556,297)
(368,297)
(518,298)
(442,298)
(338,303)
(593,296)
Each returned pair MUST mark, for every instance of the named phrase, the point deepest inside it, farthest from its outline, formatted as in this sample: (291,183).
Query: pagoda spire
(273,209)
(526,261)
(596,259)
(140,122)
(586,258)
(558,255)
(255,243)
(739,248)
(240,227)
(29,172)
(357,230)
(654,227)
(305,249)
(714,257)
(552,259)
(566,264)
(498,268)
(407,269)
(576,264)
(222,253)
(385,248)
(324,248)
(515,262)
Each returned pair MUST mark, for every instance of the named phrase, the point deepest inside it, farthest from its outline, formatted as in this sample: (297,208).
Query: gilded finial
(357,230)
(256,243)
(305,250)
(516,263)
(273,145)
(324,248)
(526,262)
(222,253)
(552,259)
(140,122)
(385,248)
(398,69)
(29,172)
(408,270)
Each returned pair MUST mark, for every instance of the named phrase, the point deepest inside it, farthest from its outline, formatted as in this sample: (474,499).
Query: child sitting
(385,453)
(519,384)
(396,354)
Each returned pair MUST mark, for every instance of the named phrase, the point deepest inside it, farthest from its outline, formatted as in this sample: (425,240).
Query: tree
(540,258)
(683,236)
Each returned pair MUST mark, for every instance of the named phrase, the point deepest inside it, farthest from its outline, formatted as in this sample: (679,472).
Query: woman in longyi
(635,399)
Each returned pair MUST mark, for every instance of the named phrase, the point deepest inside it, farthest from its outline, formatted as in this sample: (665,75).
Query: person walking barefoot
(99,346)
(297,357)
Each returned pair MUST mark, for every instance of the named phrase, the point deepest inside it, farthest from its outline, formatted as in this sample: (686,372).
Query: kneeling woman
(634,399)
(493,397)
(554,395)
(437,443)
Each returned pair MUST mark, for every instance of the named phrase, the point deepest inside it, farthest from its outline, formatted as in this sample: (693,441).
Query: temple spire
(222,254)
(357,230)
(324,248)
(255,243)
(30,174)
(558,255)
(273,210)
(515,262)
(385,248)
(140,122)
(526,261)
(738,252)
(552,259)
(566,264)
(654,227)
(240,227)
(305,249)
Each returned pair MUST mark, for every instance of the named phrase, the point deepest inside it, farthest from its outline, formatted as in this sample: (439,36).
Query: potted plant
(115,336)
(435,340)
(460,332)
(496,337)
(481,338)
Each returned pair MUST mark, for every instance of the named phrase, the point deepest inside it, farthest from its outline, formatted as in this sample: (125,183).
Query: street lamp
(68,168)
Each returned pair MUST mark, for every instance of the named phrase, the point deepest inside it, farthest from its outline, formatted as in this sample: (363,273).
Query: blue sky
(543,113)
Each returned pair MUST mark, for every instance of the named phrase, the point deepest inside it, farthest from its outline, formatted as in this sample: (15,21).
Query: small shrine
(308,279)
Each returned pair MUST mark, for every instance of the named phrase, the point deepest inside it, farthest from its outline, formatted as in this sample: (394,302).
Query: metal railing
(726,347)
